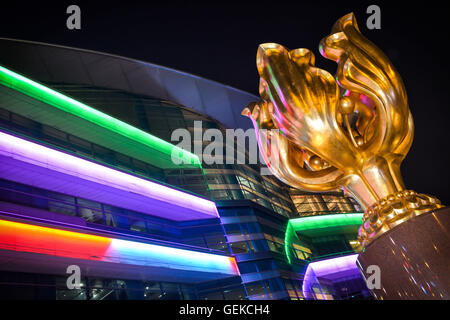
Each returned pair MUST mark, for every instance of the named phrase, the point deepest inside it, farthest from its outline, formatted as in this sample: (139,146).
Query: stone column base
(414,258)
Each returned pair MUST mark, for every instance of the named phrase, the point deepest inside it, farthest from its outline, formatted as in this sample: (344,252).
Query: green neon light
(318,222)
(51,97)
(290,234)
(326,221)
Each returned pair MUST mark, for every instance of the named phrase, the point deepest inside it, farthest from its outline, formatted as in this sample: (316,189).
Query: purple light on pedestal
(330,269)
(165,200)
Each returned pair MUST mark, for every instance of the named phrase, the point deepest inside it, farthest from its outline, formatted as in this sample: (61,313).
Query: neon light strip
(22,237)
(327,267)
(334,265)
(318,222)
(326,221)
(51,97)
(38,155)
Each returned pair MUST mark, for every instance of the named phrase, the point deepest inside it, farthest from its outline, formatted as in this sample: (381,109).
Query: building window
(255,288)
(239,247)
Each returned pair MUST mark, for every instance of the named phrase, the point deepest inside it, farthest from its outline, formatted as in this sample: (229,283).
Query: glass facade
(206,233)
(30,286)
(331,245)
(76,145)
(311,204)
(30,203)
(256,238)
(161,118)
(229,290)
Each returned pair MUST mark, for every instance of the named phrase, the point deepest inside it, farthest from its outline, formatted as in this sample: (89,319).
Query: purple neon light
(38,155)
(330,268)
(334,265)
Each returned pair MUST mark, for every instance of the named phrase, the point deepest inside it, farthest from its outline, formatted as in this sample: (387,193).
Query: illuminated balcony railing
(37,165)
(29,238)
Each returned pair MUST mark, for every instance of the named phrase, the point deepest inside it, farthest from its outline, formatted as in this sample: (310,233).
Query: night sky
(218,40)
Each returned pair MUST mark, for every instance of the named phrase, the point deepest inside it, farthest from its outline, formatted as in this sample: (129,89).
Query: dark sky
(218,40)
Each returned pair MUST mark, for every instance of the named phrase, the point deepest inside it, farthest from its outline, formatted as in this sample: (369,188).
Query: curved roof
(53,63)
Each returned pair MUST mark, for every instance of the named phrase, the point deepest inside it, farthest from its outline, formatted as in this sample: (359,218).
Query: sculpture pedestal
(414,258)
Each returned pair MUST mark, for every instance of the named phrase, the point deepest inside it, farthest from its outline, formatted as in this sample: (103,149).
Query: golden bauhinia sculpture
(351,132)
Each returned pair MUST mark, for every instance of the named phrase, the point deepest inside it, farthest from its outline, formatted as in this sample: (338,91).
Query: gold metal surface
(351,132)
